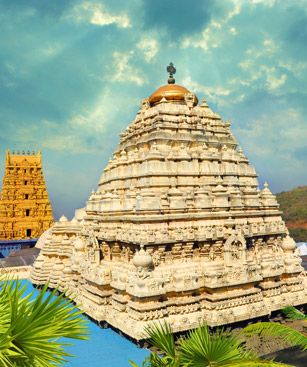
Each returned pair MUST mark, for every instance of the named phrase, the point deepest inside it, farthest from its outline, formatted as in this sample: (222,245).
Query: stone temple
(177,230)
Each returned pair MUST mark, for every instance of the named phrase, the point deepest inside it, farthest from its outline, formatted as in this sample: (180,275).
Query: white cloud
(124,72)
(298,69)
(214,35)
(215,94)
(246,64)
(66,142)
(83,132)
(51,50)
(150,48)
(257,66)
(95,13)
(233,31)
(235,11)
(95,117)
(275,135)
(268,3)
(267,49)
(275,143)
(209,39)
(103,112)
(274,82)
(47,52)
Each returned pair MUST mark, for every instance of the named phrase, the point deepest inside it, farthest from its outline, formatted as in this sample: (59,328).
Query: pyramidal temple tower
(177,229)
(25,210)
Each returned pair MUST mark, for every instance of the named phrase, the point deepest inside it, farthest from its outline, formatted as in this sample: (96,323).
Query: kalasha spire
(171,92)
(171,70)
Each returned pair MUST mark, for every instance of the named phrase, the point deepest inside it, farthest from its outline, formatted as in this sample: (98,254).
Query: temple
(177,229)
(25,210)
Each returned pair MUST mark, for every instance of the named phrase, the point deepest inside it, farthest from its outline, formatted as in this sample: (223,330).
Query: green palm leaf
(292,313)
(200,348)
(274,329)
(160,335)
(31,327)
(254,363)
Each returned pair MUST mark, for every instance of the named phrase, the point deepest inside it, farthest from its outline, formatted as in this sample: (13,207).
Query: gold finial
(171,70)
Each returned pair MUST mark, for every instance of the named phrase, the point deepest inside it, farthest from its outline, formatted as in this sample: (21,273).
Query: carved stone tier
(177,230)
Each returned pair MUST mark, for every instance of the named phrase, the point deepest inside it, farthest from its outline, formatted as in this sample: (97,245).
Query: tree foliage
(200,348)
(292,313)
(293,204)
(32,327)
(274,329)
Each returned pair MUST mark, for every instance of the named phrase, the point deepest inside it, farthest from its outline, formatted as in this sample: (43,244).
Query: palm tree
(292,313)
(201,348)
(274,329)
(282,332)
(32,326)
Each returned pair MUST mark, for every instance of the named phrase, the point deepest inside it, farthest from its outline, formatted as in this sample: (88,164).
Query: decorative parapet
(16,272)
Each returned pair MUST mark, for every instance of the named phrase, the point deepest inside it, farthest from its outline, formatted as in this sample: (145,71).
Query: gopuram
(177,229)
(25,210)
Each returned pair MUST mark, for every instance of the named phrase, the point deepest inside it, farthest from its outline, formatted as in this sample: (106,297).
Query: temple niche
(177,229)
(25,210)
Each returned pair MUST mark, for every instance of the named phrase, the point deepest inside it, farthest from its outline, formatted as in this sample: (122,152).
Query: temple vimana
(177,229)
(25,210)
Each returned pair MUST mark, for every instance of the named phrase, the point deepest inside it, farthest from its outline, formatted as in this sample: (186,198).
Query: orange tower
(25,210)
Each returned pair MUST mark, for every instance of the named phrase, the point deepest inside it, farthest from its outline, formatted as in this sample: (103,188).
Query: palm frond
(133,364)
(254,363)
(160,335)
(200,348)
(274,329)
(292,313)
(35,325)
(156,360)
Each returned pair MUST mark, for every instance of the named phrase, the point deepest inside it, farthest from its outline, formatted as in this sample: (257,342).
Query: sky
(73,74)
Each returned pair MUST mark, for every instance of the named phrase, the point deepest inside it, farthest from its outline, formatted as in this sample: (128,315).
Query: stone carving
(177,229)
(234,250)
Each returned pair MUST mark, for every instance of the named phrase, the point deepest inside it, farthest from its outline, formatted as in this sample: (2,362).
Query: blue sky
(73,73)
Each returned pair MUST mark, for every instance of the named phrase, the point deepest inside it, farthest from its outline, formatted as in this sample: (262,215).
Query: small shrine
(177,230)
(25,210)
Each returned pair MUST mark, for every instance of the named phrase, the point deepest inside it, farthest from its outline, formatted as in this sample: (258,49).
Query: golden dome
(171,92)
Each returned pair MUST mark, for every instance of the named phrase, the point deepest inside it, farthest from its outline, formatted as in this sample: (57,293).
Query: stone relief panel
(235,251)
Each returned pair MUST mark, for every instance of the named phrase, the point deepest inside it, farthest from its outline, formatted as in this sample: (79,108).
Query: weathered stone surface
(177,230)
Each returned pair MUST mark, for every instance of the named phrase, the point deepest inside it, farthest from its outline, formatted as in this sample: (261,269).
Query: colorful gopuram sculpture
(177,230)
(25,210)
